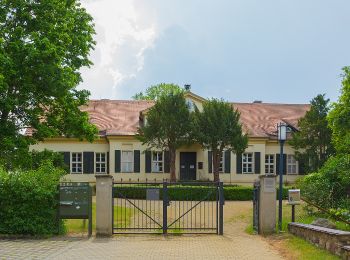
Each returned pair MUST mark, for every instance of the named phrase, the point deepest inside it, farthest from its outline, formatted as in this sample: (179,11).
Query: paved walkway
(235,244)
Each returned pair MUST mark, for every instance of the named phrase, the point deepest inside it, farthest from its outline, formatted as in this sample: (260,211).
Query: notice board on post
(76,201)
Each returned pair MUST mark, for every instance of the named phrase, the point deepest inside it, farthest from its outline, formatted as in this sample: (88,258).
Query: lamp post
(282,136)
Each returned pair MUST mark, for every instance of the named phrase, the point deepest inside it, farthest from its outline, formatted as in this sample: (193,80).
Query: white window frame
(245,164)
(157,163)
(269,166)
(127,165)
(292,165)
(75,163)
(99,163)
(221,163)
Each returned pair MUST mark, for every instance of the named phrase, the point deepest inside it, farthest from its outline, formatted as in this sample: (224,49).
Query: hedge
(29,200)
(234,193)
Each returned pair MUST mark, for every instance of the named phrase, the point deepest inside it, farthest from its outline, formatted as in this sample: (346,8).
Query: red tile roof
(261,119)
(116,117)
(121,117)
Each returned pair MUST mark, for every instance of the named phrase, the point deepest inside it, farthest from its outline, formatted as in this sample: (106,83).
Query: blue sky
(273,50)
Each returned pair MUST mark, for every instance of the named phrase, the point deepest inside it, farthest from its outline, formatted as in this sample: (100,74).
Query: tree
(168,126)
(156,91)
(43,45)
(312,141)
(339,117)
(217,128)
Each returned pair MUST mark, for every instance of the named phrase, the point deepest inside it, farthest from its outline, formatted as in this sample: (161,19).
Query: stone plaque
(269,185)
(152,194)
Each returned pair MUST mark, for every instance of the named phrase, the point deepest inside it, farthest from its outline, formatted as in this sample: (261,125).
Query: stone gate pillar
(104,205)
(267,204)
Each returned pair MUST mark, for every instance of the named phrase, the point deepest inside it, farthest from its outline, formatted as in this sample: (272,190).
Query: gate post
(104,205)
(267,204)
(221,208)
(165,208)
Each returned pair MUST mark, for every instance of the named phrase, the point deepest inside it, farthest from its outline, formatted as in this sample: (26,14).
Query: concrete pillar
(267,204)
(104,205)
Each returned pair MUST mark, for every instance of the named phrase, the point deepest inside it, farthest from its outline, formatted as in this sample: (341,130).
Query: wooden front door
(188,161)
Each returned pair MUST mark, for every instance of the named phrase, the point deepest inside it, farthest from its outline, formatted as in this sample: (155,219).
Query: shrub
(29,200)
(330,187)
(235,193)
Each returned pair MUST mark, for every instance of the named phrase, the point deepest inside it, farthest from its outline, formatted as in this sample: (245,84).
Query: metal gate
(256,200)
(174,208)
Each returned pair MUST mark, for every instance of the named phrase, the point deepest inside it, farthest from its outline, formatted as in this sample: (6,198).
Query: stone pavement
(235,244)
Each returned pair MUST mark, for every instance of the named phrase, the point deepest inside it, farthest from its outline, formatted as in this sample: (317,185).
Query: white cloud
(123,34)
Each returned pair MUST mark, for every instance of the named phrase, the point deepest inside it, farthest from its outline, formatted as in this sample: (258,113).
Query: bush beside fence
(29,200)
(231,193)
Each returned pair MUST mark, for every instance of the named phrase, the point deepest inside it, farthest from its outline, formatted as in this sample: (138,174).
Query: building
(119,153)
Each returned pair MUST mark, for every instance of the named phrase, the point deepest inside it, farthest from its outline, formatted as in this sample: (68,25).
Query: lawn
(80,225)
(302,215)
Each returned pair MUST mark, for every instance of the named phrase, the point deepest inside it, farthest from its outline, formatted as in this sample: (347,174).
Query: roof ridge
(265,103)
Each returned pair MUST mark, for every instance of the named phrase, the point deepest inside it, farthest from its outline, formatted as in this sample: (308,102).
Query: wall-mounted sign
(270,184)
(152,194)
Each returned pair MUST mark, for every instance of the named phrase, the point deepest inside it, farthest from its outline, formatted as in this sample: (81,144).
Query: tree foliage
(43,45)
(312,141)
(339,117)
(167,126)
(156,91)
(217,128)
(330,186)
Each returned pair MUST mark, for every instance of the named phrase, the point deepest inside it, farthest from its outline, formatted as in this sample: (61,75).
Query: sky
(276,51)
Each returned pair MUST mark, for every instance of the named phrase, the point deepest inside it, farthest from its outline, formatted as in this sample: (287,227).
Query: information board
(75,201)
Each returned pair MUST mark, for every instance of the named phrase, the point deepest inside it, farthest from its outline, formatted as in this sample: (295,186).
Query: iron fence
(187,207)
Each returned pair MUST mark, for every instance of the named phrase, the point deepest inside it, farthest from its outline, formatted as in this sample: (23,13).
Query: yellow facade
(264,146)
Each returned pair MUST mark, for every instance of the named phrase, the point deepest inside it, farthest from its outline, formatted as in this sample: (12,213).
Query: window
(100,162)
(291,164)
(157,162)
(77,163)
(247,163)
(127,161)
(221,165)
(190,105)
(269,164)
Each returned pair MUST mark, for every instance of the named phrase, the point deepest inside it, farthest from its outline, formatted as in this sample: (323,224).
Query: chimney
(187,87)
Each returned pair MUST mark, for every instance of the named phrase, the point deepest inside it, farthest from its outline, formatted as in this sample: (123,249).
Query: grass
(302,216)
(300,249)
(290,246)
(81,225)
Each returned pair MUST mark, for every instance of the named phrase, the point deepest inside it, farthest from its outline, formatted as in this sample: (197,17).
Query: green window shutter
(166,162)
(257,162)
(227,163)
(210,161)
(117,160)
(108,163)
(66,160)
(137,161)
(88,162)
(302,165)
(148,161)
(239,163)
(278,163)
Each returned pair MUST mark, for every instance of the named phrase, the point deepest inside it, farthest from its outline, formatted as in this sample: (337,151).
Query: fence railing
(307,212)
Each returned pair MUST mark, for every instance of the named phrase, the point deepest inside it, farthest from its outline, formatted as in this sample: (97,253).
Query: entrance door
(188,161)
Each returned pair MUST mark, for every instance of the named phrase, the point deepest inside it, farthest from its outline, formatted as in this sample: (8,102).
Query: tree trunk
(216,164)
(172,152)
